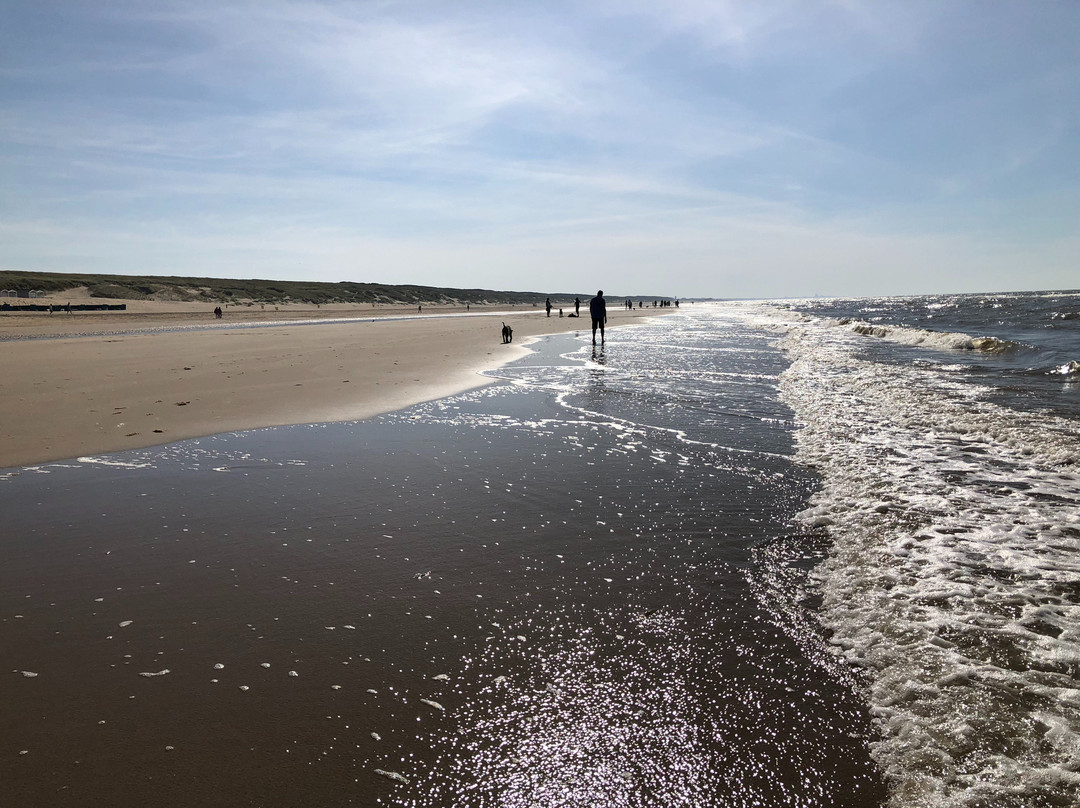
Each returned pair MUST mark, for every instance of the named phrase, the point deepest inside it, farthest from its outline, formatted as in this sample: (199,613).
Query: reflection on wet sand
(545,592)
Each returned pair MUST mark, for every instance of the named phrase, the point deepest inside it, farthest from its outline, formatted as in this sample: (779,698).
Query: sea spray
(951,581)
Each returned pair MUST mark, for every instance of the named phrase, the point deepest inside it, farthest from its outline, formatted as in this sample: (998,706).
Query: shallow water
(583,585)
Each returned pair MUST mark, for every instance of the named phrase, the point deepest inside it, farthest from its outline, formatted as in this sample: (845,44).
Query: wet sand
(94,382)
(575,587)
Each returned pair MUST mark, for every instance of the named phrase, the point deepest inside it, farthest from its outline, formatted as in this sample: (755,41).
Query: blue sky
(683,147)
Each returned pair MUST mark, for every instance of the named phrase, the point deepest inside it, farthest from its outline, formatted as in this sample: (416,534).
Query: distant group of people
(217,312)
(597,312)
(661,304)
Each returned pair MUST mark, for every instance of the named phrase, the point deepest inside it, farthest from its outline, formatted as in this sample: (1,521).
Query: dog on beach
(507,334)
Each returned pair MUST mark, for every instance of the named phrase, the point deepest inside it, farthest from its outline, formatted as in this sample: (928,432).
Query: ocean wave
(952,576)
(941,340)
(1068,369)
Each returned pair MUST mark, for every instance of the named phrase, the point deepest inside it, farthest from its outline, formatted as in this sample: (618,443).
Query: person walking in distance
(598,312)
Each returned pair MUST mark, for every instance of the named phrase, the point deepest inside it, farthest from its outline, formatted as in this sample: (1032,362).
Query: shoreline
(82,384)
(290,616)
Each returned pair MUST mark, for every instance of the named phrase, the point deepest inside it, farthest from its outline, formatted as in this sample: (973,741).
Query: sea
(755,553)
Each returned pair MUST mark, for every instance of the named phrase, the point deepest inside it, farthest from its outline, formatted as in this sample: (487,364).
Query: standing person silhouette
(547,305)
(577,306)
(598,312)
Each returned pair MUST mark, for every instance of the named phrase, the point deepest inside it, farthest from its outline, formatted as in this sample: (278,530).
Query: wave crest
(941,340)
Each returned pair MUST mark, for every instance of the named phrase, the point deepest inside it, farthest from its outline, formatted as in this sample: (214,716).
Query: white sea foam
(395,776)
(942,340)
(954,576)
(113,462)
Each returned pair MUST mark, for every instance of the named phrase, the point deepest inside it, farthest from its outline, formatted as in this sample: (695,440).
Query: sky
(695,148)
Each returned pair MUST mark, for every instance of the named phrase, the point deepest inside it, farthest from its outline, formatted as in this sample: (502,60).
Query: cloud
(456,140)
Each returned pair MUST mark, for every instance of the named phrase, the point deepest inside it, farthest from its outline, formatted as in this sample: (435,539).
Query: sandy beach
(95,382)
(572,586)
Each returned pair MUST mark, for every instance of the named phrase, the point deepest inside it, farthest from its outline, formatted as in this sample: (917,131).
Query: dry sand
(75,384)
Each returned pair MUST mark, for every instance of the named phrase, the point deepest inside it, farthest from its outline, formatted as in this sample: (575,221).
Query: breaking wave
(952,580)
(941,340)
(1068,369)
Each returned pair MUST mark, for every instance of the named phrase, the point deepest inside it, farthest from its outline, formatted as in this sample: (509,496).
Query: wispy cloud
(242,134)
